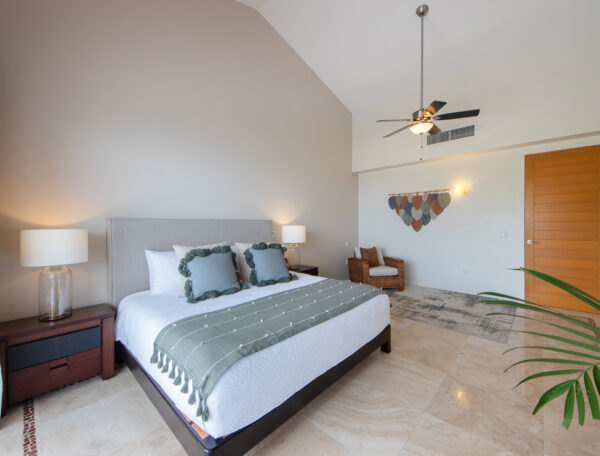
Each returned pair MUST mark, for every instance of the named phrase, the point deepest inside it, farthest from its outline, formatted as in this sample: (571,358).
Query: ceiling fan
(422,120)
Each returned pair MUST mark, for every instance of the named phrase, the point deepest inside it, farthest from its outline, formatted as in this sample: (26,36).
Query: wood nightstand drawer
(39,356)
(48,376)
(52,348)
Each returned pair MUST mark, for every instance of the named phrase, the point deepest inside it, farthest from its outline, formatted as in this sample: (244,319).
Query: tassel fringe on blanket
(198,393)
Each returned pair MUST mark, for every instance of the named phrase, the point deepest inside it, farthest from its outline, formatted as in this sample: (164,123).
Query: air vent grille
(450,135)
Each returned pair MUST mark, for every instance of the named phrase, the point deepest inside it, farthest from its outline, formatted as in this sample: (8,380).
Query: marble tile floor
(439,392)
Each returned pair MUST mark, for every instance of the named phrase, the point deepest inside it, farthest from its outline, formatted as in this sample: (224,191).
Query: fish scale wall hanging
(418,209)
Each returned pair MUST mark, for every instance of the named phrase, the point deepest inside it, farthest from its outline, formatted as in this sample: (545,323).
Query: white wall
(149,108)
(469,247)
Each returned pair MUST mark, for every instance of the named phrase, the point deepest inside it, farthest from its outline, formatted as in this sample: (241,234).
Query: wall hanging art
(418,209)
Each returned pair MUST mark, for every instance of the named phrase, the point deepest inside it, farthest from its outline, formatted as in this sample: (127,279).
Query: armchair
(378,276)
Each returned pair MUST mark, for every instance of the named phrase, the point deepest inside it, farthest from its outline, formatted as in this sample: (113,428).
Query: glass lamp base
(55,293)
(293,257)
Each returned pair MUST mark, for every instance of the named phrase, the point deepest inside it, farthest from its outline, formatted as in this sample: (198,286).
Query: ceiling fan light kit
(421,121)
(421,127)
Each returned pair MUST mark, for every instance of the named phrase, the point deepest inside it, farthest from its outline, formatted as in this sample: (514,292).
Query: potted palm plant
(581,366)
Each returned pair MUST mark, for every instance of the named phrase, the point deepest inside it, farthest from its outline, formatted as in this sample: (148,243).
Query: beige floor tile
(159,442)
(430,345)
(65,400)
(12,423)
(399,323)
(436,437)
(298,437)
(411,383)
(102,427)
(363,418)
(577,441)
(488,416)
(482,363)
(11,445)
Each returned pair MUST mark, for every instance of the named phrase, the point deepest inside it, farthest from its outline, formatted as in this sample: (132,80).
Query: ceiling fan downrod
(422,11)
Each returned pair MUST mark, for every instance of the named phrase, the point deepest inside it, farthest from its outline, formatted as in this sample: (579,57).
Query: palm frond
(549,374)
(553,393)
(589,370)
(549,360)
(583,335)
(536,308)
(571,289)
(555,349)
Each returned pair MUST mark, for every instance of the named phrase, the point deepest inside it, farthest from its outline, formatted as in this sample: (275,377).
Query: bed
(260,391)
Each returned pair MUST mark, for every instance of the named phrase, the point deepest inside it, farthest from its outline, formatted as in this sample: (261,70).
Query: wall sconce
(462,189)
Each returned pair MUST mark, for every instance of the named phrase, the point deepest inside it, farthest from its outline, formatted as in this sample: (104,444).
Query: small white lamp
(293,235)
(53,249)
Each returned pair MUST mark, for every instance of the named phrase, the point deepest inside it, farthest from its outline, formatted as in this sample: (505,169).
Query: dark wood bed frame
(243,440)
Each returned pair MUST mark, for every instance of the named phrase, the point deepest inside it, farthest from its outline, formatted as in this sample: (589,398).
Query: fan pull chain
(421,151)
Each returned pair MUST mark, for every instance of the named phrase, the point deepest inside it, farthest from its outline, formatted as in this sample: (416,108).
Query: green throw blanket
(197,351)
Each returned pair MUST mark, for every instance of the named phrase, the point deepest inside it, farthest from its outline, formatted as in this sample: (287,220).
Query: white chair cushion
(383,271)
(379,255)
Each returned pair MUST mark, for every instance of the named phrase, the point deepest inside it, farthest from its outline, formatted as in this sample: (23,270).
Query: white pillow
(163,272)
(379,255)
(180,251)
(243,267)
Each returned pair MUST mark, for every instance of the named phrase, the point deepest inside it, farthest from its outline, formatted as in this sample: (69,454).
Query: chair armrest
(394,263)
(358,269)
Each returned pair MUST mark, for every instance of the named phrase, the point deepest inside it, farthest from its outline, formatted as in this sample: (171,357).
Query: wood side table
(306,269)
(38,357)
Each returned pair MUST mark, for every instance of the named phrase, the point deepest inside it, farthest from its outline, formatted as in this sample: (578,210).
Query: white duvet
(258,383)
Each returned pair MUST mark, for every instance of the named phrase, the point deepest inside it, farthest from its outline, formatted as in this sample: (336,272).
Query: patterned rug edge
(30,446)
(476,323)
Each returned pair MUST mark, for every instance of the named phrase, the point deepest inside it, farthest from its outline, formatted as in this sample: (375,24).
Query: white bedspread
(258,383)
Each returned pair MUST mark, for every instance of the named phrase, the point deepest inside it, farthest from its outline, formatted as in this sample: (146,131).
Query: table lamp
(54,249)
(293,235)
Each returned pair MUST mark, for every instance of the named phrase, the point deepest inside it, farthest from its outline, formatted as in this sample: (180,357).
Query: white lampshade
(293,234)
(421,127)
(53,247)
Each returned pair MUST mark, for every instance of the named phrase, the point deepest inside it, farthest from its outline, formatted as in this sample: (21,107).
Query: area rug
(451,310)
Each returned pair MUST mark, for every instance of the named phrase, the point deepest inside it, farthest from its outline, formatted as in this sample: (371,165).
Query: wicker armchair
(359,271)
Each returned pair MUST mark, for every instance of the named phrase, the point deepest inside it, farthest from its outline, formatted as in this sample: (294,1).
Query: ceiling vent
(450,135)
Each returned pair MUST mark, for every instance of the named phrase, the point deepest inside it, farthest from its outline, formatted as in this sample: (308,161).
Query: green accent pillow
(210,273)
(268,265)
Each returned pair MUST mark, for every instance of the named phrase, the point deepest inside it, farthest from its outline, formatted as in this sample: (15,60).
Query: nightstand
(38,357)
(306,269)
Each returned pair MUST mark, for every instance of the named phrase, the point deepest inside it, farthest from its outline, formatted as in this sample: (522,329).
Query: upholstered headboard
(128,238)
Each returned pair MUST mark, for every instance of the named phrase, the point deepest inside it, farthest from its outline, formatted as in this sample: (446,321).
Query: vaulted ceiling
(531,66)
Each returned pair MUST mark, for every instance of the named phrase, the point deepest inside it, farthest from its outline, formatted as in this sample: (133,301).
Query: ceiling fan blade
(396,131)
(457,115)
(394,120)
(434,130)
(435,106)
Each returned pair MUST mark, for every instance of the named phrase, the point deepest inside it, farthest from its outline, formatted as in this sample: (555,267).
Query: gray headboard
(128,238)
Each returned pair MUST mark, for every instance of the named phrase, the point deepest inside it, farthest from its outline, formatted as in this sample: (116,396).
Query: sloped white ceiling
(256,4)
(532,67)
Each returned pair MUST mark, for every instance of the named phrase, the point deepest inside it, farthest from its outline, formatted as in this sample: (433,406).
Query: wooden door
(562,202)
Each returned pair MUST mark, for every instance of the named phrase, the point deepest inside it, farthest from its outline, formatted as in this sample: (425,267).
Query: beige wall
(192,109)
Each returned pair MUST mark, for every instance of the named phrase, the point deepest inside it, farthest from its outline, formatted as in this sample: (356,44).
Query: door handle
(532,242)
